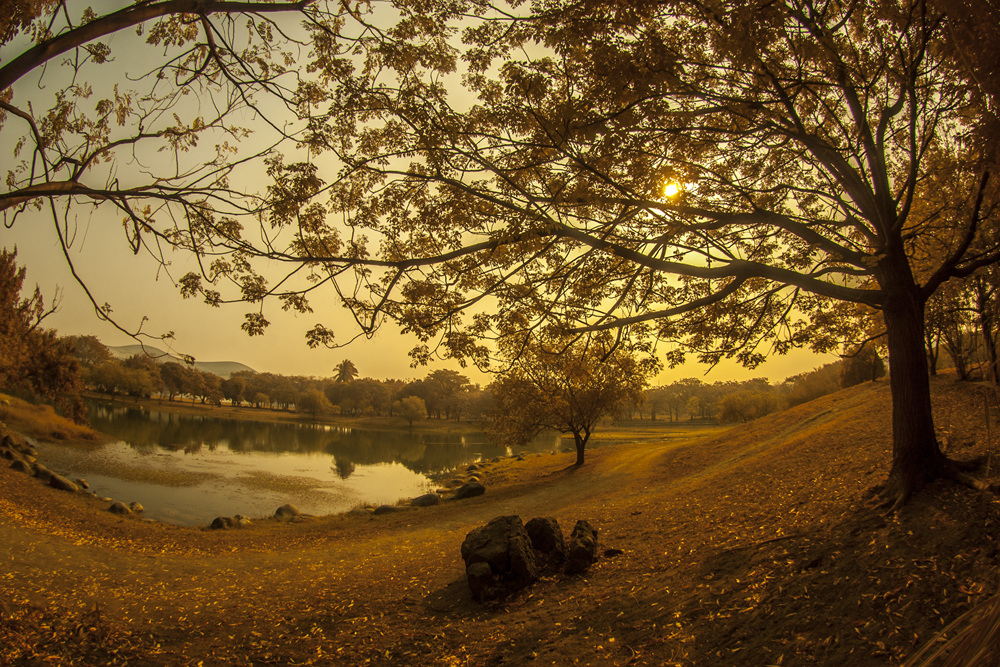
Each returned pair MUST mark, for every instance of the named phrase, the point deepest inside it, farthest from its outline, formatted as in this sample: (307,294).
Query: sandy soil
(756,546)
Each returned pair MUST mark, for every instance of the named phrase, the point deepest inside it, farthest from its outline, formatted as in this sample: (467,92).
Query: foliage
(34,362)
(862,365)
(567,385)
(805,387)
(744,406)
(314,402)
(411,408)
(740,178)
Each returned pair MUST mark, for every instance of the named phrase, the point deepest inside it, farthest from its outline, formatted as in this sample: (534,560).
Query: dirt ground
(757,546)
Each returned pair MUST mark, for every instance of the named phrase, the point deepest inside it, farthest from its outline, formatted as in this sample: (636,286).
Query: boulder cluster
(24,458)
(506,555)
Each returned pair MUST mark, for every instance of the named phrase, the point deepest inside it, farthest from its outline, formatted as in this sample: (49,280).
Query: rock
(472,467)
(11,455)
(223,523)
(458,481)
(520,457)
(426,500)
(8,441)
(43,473)
(474,478)
(136,507)
(82,483)
(496,459)
(22,466)
(611,553)
(287,511)
(547,540)
(504,547)
(120,508)
(582,550)
(470,490)
(242,521)
(387,509)
(63,484)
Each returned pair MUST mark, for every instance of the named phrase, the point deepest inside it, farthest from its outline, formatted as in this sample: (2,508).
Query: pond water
(188,469)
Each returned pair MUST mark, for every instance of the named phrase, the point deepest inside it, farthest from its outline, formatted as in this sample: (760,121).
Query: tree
(345,371)
(862,365)
(567,386)
(411,408)
(740,177)
(314,402)
(811,154)
(33,361)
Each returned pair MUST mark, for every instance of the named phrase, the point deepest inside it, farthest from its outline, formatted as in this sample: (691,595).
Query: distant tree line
(442,394)
(734,401)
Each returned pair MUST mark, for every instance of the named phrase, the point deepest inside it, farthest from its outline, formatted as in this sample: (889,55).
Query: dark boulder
(10,454)
(63,484)
(43,473)
(426,500)
(502,546)
(470,490)
(136,507)
(582,550)
(223,523)
(22,466)
(120,508)
(82,483)
(547,540)
(287,511)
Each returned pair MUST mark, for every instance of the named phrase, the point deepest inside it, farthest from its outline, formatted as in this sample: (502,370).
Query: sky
(137,287)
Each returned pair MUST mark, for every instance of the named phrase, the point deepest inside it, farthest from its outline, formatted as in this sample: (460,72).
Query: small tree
(568,387)
(314,402)
(411,408)
(862,365)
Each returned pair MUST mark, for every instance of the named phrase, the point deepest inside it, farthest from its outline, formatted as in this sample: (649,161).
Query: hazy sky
(137,287)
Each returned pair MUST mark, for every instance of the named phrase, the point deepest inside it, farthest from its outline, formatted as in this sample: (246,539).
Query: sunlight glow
(671,189)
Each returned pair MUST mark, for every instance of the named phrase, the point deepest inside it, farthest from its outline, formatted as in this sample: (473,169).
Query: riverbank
(627,431)
(757,545)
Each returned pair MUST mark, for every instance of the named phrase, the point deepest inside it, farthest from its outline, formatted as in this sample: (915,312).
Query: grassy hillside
(756,546)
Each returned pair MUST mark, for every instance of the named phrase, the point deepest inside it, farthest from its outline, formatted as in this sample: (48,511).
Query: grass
(757,545)
(41,421)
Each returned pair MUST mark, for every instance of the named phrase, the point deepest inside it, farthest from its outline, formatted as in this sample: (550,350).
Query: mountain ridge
(223,369)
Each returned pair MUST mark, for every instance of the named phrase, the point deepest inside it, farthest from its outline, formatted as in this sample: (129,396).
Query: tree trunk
(580,439)
(984,308)
(916,457)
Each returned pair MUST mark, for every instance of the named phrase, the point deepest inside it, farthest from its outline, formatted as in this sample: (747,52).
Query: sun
(671,189)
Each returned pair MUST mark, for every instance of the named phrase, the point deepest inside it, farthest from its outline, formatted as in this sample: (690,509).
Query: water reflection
(188,469)
(421,451)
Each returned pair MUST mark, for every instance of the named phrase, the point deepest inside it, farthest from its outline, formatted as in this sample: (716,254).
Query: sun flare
(671,189)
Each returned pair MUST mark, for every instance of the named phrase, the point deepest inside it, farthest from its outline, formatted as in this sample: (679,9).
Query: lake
(189,469)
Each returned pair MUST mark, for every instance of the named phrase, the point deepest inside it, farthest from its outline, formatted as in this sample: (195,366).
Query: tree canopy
(569,386)
(730,179)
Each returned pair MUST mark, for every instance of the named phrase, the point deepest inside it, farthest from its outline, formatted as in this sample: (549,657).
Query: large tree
(727,172)
(742,177)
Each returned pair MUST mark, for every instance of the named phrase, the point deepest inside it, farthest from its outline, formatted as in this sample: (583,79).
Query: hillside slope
(754,547)
(223,369)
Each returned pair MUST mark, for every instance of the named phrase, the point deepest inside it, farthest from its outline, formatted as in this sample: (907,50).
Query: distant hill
(221,368)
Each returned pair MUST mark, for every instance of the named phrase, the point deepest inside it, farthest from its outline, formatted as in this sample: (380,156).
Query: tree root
(896,492)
